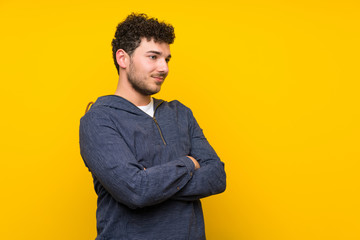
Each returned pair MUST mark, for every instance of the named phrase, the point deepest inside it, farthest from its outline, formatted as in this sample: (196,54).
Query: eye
(154,57)
(167,60)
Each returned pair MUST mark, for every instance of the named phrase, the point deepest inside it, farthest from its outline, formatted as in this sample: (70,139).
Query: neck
(125,90)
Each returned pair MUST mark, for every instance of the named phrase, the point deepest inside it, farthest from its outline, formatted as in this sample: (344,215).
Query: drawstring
(88,106)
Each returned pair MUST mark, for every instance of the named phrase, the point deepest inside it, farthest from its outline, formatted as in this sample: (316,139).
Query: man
(149,159)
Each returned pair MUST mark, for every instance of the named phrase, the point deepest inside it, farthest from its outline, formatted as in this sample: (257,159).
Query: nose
(163,66)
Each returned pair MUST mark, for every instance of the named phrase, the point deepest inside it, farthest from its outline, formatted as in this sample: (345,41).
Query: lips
(159,78)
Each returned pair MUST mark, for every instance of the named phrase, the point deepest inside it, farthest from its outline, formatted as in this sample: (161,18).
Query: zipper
(157,124)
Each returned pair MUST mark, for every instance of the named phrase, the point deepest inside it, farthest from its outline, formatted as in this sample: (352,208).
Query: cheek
(145,67)
(148,67)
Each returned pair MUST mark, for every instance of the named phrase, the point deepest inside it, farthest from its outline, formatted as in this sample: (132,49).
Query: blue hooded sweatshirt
(147,187)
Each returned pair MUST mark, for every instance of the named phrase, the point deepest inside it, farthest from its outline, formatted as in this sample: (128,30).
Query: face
(148,67)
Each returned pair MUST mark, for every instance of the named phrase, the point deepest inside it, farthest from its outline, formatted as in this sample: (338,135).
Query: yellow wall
(274,84)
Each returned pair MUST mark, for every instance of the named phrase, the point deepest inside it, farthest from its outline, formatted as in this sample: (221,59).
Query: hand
(196,163)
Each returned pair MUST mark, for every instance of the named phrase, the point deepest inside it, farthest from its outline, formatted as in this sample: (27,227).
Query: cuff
(189,165)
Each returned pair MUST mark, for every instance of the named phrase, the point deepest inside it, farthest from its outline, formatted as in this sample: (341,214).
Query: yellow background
(274,85)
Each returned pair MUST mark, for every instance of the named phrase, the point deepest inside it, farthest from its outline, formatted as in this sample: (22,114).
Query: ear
(122,58)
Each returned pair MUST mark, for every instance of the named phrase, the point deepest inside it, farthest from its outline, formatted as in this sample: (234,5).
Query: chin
(155,92)
(156,89)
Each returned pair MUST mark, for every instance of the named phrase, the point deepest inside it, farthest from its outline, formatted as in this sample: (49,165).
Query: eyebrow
(157,52)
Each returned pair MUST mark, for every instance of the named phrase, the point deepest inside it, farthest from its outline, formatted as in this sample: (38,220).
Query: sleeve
(110,160)
(210,178)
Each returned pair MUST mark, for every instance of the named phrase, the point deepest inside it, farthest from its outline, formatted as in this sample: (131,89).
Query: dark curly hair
(129,33)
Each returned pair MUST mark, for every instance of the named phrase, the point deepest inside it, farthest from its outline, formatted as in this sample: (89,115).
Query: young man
(149,159)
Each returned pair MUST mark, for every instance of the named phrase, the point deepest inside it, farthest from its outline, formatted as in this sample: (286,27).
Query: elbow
(217,179)
(223,187)
(139,202)
(135,201)
(222,184)
(223,179)
(133,194)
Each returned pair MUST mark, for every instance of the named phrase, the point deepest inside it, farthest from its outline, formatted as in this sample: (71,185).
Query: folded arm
(210,178)
(108,157)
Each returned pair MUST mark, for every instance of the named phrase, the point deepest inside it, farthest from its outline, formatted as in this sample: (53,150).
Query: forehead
(152,46)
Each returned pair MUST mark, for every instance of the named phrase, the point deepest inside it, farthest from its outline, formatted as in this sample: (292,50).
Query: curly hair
(129,33)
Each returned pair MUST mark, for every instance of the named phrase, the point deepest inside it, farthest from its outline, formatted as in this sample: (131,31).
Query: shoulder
(96,115)
(104,107)
(178,106)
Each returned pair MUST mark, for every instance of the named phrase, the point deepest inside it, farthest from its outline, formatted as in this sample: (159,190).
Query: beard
(140,84)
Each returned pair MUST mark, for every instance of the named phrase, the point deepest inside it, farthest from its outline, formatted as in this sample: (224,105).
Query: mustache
(157,75)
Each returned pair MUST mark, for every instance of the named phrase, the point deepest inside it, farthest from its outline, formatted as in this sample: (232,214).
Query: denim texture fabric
(146,185)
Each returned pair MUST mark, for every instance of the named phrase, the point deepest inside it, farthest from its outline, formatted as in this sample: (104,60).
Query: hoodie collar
(115,101)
